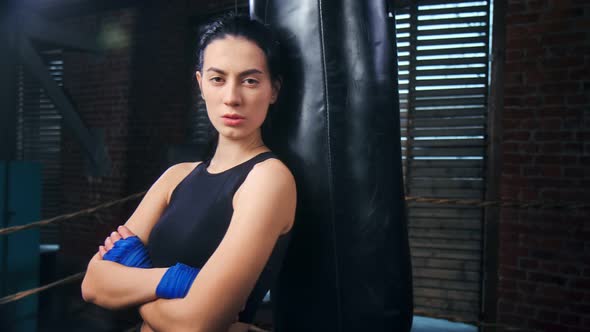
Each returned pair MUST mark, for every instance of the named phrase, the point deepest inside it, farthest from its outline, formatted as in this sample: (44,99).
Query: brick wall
(137,94)
(161,101)
(544,265)
(99,88)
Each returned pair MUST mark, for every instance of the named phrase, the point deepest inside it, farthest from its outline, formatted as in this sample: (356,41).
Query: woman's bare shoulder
(270,186)
(175,174)
(273,168)
(182,168)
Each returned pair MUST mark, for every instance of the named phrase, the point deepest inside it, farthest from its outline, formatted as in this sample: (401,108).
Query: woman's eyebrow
(217,70)
(242,74)
(250,72)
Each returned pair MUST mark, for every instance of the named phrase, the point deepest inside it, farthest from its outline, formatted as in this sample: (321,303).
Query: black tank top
(196,219)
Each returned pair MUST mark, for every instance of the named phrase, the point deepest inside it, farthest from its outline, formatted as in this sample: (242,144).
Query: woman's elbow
(91,295)
(88,293)
(88,288)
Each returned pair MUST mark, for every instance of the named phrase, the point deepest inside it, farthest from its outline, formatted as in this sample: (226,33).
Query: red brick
(544,302)
(510,319)
(578,100)
(579,74)
(547,160)
(551,171)
(512,273)
(574,246)
(507,284)
(512,158)
(576,329)
(562,62)
(573,148)
(535,52)
(581,284)
(514,55)
(513,101)
(554,100)
(527,287)
(509,295)
(546,111)
(550,124)
(562,38)
(545,326)
(580,308)
(511,170)
(506,307)
(532,171)
(510,147)
(553,135)
(509,261)
(527,311)
(516,7)
(521,19)
(529,148)
(529,124)
(542,253)
(533,101)
(522,90)
(572,270)
(518,113)
(547,315)
(529,195)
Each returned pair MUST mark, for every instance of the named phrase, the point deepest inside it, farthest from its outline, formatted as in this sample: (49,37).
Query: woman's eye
(216,79)
(250,81)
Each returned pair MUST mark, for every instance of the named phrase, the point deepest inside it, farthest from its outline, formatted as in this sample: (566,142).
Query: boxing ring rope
(438,201)
(23,294)
(72,215)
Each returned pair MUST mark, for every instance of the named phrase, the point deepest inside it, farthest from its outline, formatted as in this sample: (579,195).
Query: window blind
(443,81)
(39,128)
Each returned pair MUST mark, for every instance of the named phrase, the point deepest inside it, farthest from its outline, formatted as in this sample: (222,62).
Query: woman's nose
(232,95)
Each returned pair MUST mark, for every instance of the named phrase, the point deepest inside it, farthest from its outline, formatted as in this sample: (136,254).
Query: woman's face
(236,86)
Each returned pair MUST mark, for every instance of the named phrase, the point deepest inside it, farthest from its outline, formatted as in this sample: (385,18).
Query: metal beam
(8,80)
(36,27)
(494,166)
(67,9)
(35,66)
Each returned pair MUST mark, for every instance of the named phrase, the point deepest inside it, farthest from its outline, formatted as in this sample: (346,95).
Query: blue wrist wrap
(176,282)
(129,252)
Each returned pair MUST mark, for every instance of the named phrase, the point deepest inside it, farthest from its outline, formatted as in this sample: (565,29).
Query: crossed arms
(264,208)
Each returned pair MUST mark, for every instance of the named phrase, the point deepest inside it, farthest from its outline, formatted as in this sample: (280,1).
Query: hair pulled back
(238,25)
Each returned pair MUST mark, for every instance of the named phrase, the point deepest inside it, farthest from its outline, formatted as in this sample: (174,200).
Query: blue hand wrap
(176,282)
(129,252)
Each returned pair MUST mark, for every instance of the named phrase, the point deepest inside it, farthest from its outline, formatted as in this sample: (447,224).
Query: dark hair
(238,25)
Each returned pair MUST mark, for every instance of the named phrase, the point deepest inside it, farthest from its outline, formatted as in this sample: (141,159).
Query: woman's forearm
(170,315)
(163,315)
(146,328)
(112,285)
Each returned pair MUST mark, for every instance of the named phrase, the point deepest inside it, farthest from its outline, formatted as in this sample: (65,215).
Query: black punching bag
(336,125)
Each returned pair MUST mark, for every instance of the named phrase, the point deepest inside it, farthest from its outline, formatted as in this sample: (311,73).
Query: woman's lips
(232,119)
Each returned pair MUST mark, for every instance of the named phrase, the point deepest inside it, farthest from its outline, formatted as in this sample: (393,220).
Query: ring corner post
(20,195)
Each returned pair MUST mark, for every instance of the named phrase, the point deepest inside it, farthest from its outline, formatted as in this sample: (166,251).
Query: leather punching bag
(336,125)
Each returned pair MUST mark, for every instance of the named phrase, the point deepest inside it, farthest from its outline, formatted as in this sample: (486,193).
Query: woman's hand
(122,232)
(113,286)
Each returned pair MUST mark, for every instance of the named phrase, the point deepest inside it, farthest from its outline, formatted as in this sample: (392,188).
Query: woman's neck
(232,152)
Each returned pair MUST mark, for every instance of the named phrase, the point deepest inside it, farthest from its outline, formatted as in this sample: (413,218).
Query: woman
(229,216)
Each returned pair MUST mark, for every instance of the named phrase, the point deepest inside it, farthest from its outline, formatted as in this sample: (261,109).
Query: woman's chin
(236,133)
